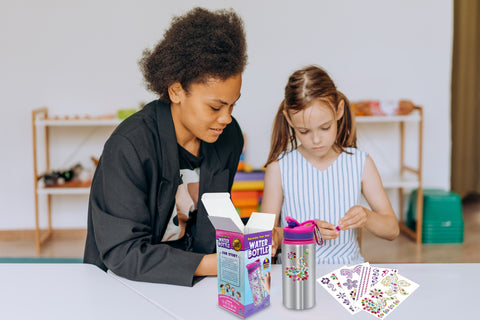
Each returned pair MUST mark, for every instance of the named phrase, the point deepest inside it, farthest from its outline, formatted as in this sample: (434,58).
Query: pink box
(243,256)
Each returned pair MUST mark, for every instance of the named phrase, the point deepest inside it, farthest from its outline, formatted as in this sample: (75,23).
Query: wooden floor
(404,250)
(374,250)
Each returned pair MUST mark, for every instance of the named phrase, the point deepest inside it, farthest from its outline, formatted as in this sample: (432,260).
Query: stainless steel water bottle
(298,263)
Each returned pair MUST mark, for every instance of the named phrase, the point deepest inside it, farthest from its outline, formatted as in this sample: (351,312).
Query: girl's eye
(303,132)
(215,109)
(326,128)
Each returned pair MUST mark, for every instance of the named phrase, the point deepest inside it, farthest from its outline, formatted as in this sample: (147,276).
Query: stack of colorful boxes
(247,191)
(442,216)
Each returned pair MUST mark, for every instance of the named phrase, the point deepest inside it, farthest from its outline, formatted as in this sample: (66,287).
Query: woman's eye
(214,108)
(303,132)
(326,128)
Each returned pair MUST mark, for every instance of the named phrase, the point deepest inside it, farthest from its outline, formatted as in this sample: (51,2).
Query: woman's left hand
(356,217)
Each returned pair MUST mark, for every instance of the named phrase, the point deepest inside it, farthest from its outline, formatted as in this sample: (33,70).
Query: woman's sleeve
(122,221)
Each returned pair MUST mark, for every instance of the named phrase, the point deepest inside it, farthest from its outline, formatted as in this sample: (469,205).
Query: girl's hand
(356,217)
(327,230)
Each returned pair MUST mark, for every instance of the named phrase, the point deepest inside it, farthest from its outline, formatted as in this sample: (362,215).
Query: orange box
(246,212)
(244,194)
(240,203)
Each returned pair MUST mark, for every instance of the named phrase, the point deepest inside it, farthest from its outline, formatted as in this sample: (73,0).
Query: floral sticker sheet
(370,276)
(331,283)
(364,287)
(350,279)
(387,294)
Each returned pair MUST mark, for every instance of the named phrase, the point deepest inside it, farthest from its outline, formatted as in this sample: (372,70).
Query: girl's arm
(272,203)
(272,200)
(381,220)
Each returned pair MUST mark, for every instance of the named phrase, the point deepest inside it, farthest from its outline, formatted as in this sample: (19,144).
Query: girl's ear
(340,109)
(285,114)
(175,92)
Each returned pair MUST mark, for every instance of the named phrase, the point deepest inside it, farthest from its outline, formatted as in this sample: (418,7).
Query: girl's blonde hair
(304,86)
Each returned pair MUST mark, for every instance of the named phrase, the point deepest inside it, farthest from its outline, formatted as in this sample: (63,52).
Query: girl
(322,177)
(145,222)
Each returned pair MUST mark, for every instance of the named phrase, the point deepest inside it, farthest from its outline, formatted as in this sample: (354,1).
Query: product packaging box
(243,255)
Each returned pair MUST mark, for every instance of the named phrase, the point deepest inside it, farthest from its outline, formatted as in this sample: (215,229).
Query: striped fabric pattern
(310,193)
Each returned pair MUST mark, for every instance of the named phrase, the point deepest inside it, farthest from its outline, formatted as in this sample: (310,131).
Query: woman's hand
(356,217)
(327,230)
(277,238)
(207,266)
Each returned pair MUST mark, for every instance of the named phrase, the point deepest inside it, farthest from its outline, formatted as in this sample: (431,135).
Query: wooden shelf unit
(408,177)
(41,121)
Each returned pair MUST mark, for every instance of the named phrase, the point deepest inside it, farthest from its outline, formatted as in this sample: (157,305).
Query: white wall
(80,57)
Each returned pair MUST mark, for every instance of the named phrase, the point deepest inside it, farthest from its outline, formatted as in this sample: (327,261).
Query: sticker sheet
(331,283)
(369,288)
(387,294)
(370,276)
(351,279)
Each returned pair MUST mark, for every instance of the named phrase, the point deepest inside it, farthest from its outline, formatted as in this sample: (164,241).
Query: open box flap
(259,222)
(222,223)
(220,209)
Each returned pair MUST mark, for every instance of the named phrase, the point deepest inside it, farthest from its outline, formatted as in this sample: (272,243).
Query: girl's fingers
(327,230)
(354,218)
(328,234)
(325,225)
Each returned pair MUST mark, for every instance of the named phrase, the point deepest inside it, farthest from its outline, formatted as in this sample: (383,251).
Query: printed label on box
(244,265)
(243,256)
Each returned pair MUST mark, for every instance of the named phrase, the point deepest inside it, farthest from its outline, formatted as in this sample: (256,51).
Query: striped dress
(310,193)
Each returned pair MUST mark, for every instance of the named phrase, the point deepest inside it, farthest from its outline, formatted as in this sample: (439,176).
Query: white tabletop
(447,291)
(69,291)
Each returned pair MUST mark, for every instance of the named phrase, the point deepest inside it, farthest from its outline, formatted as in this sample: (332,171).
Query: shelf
(61,190)
(413,117)
(69,187)
(391,182)
(77,122)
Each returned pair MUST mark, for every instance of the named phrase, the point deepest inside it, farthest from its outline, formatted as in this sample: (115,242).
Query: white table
(447,291)
(69,291)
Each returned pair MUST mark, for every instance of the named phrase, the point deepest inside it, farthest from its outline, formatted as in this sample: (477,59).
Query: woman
(145,222)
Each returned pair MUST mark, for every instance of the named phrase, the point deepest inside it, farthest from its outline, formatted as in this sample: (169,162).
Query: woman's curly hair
(198,45)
